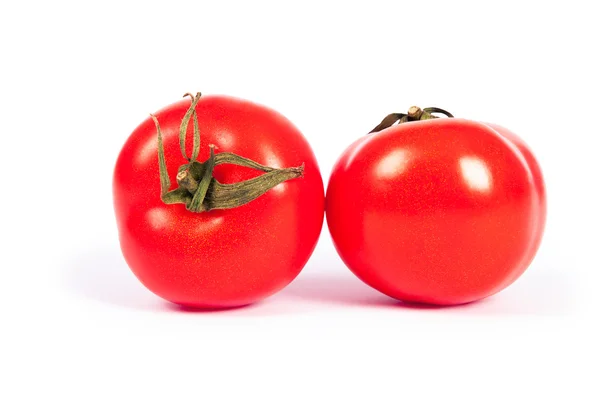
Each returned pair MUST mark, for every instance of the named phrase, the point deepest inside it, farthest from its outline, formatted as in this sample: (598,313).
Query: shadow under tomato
(102,275)
(196,310)
(345,289)
(538,292)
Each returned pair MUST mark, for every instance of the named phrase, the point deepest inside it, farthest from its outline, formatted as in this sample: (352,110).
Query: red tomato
(443,211)
(218,258)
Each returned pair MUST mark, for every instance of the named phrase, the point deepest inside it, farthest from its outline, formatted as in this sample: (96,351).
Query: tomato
(441,211)
(222,257)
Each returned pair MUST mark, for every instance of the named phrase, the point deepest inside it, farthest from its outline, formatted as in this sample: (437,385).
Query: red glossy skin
(220,258)
(444,211)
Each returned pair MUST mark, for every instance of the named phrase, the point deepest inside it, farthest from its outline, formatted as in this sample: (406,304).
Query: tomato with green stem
(437,210)
(239,226)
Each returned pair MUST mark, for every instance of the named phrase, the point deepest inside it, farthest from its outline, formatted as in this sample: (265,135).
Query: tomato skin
(444,211)
(220,258)
(538,182)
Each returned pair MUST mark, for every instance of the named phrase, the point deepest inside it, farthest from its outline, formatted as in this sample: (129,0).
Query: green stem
(414,114)
(186,180)
(198,199)
(198,189)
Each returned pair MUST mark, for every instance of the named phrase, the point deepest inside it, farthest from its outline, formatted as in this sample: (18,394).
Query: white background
(77,78)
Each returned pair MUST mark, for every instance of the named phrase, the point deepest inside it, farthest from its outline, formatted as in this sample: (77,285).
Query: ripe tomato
(221,257)
(443,211)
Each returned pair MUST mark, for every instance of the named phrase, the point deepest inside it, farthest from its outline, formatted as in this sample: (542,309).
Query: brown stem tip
(186,181)
(415,112)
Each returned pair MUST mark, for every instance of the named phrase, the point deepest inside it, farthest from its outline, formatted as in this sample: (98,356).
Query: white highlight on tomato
(209,224)
(148,150)
(225,138)
(273,161)
(475,174)
(393,164)
(157,218)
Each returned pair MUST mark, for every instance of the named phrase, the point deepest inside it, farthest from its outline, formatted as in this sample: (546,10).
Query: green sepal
(184,125)
(177,196)
(231,158)
(196,148)
(414,114)
(165,182)
(198,189)
(224,196)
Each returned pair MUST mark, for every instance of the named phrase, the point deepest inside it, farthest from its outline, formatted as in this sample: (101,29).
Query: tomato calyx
(197,188)
(414,114)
